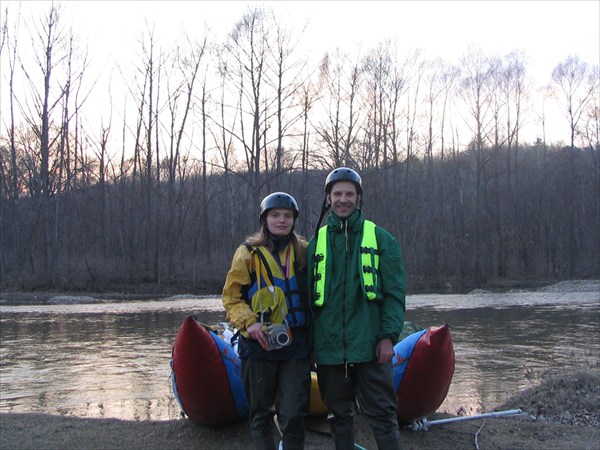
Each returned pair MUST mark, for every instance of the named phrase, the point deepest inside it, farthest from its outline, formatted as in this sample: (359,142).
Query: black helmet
(278,200)
(343,174)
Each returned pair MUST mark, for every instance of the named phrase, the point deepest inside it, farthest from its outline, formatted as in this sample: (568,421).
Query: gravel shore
(562,412)
(41,431)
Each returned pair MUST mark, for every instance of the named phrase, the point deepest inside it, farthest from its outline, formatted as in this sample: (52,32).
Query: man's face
(344,199)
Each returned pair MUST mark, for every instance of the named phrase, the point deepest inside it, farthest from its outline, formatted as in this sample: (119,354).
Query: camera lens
(283,339)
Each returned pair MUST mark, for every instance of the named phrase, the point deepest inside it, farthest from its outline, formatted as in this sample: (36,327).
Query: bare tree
(224,138)
(11,44)
(248,46)
(386,82)
(439,77)
(145,239)
(413,101)
(288,78)
(576,83)
(476,89)
(309,96)
(591,130)
(39,110)
(186,67)
(338,132)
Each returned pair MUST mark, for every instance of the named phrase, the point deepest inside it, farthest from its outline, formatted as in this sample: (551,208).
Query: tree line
(163,191)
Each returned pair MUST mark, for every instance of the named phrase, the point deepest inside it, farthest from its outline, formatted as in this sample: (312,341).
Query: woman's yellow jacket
(256,282)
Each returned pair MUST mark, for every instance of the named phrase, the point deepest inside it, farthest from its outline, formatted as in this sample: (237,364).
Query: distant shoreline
(144,294)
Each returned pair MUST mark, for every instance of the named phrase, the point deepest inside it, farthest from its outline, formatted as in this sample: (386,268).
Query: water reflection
(500,351)
(111,359)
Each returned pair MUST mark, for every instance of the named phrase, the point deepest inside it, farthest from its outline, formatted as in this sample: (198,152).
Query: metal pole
(424,424)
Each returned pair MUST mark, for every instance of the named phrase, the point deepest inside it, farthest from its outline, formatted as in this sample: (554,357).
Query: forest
(155,193)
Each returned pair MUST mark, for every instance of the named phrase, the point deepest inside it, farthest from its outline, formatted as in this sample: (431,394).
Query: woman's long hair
(265,239)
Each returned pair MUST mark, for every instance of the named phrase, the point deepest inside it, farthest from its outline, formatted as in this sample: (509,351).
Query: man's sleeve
(393,284)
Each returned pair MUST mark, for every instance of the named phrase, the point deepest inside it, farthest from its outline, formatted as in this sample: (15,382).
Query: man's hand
(384,351)
(255,332)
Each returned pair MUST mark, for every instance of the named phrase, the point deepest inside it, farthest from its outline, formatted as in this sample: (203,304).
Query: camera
(278,336)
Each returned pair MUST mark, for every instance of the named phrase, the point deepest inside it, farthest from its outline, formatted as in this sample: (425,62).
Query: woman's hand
(255,332)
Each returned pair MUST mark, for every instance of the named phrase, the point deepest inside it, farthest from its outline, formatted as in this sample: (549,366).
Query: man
(357,283)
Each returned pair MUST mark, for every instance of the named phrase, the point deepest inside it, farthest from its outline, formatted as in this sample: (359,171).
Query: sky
(547,31)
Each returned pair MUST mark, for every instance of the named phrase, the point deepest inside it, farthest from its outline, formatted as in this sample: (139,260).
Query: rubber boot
(342,431)
(388,441)
(264,441)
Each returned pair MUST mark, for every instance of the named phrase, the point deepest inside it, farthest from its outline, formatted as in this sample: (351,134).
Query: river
(87,357)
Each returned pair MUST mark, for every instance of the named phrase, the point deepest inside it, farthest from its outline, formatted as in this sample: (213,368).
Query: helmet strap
(324,207)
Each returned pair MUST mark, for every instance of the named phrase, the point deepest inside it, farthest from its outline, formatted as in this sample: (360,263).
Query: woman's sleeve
(238,279)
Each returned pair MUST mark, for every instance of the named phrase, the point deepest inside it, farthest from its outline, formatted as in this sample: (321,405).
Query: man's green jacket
(348,326)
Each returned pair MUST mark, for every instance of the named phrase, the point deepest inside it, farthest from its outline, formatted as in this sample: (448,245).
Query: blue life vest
(285,296)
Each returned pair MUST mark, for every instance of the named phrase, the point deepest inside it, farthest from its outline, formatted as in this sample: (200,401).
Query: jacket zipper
(345,225)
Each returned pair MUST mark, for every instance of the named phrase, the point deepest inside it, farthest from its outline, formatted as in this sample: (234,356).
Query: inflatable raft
(423,369)
(206,376)
(207,380)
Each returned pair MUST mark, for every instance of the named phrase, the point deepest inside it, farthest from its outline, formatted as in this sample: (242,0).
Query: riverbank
(36,431)
(562,412)
(416,286)
(591,285)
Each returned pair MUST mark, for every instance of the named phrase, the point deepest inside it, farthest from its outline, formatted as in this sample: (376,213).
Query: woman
(265,299)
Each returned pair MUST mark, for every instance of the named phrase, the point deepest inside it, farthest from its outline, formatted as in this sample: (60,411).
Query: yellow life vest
(368,263)
(267,293)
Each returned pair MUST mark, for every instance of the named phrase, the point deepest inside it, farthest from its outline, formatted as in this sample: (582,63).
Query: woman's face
(280,221)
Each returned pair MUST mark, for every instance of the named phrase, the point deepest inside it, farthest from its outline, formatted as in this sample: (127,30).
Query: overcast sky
(547,31)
